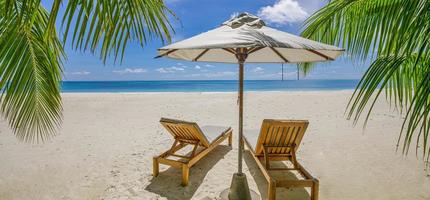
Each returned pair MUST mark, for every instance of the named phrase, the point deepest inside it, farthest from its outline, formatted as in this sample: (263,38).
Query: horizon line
(209,80)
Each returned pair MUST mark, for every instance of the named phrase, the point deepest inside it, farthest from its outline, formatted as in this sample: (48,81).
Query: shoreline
(206,86)
(216,92)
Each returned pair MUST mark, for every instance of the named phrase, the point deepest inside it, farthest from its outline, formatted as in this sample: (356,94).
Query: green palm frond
(371,27)
(394,35)
(31,52)
(109,25)
(306,68)
(30,71)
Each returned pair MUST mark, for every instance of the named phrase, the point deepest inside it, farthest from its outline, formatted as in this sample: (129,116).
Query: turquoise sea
(206,86)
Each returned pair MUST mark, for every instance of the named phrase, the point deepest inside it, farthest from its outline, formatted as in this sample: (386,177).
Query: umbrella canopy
(265,44)
(246,39)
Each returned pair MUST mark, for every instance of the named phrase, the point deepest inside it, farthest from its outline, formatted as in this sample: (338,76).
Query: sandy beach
(105,147)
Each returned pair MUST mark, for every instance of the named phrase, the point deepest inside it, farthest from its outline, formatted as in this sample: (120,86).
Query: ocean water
(206,86)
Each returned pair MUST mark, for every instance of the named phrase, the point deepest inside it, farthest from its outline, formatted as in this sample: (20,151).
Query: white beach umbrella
(246,39)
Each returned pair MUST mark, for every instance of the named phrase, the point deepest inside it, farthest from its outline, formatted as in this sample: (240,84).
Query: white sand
(105,149)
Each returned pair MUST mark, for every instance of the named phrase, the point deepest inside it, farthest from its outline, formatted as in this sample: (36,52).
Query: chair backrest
(185,131)
(281,136)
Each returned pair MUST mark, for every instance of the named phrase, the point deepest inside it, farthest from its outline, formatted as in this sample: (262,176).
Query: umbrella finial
(245,19)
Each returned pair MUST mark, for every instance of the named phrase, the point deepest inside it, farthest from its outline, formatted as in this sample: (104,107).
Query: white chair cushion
(251,136)
(213,132)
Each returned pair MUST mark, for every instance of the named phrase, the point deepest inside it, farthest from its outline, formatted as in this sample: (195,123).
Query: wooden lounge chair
(203,140)
(278,140)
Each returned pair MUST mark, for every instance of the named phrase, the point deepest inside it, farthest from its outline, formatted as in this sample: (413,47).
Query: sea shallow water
(206,86)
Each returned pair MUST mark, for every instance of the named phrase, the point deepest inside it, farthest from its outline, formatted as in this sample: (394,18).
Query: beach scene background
(108,104)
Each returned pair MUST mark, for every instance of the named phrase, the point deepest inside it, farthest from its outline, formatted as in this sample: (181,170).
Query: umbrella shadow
(168,183)
(281,193)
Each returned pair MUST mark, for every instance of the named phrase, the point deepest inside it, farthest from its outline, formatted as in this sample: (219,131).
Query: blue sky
(199,16)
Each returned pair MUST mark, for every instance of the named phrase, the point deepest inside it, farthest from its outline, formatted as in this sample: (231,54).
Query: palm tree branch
(30,67)
(394,33)
(108,26)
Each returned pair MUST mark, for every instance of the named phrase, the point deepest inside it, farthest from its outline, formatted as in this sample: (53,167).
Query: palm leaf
(109,25)
(30,68)
(306,68)
(31,52)
(394,35)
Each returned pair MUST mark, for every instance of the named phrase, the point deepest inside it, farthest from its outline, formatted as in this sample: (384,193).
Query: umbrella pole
(241,55)
(240,154)
(239,189)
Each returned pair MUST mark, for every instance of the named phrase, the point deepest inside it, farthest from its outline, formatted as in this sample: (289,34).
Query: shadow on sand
(168,182)
(281,193)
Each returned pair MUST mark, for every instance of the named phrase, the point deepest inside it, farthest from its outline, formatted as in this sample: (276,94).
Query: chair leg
(294,159)
(230,140)
(185,174)
(155,166)
(266,158)
(194,150)
(271,194)
(314,191)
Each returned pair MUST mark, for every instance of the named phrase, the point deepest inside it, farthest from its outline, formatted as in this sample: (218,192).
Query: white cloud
(169,69)
(181,65)
(283,12)
(220,74)
(195,75)
(223,74)
(197,67)
(130,71)
(278,76)
(209,66)
(258,70)
(177,68)
(162,70)
(83,73)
